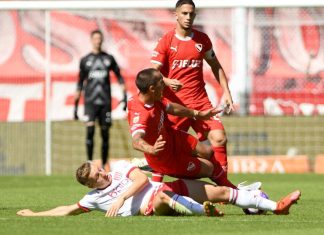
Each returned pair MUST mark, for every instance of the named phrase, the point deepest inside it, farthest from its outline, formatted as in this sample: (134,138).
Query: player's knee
(161,197)
(204,151)
(207,151)
(206,168)
(217,138)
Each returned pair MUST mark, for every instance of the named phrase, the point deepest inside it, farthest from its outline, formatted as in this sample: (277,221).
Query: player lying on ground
(128,191)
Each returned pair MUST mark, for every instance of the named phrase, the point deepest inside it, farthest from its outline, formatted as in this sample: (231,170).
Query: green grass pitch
(41,193)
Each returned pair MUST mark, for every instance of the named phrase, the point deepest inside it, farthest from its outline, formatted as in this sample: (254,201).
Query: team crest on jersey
(107,62)
(198,46)
(191,166)
(89,63)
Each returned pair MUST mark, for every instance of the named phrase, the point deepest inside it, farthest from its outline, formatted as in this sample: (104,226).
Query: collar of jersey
(148,105)
(187,38)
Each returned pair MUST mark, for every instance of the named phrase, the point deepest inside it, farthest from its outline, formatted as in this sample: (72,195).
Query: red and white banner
(287,67)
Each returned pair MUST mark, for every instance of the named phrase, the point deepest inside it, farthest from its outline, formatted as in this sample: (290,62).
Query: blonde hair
(83,172)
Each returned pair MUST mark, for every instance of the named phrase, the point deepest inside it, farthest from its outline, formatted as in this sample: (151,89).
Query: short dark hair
(147,78)
(97,31)
(182,2)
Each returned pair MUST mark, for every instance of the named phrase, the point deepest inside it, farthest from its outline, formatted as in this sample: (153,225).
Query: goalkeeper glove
(76,117)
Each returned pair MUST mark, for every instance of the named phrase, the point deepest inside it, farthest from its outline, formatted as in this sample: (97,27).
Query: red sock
(220,155)
(219,176)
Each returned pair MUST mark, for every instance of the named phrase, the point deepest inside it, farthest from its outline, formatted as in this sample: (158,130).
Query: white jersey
(102,199)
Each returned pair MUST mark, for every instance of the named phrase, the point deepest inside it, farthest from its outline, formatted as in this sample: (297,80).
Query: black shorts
(100,112)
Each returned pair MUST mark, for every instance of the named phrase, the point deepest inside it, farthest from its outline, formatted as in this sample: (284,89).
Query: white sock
(251,199)
(186,205)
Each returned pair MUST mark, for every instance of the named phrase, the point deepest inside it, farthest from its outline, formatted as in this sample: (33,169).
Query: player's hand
(25,212)
(76,117)
(229,106)
(113,211)
(174,84)
(207,114)
(158,145)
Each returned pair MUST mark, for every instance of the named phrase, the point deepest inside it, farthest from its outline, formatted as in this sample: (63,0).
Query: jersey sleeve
(129,169)
(159,55)
(208,43)
(115,68)
(82,75)
(165,104)
(137,119)
(209,52)
(87,203)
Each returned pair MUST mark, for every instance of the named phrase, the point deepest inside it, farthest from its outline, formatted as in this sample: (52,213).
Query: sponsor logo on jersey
(174,48)
(186,64)
(191,166)
(198,46)
(97,74)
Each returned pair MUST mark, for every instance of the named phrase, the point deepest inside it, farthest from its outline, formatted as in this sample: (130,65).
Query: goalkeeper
(95,80)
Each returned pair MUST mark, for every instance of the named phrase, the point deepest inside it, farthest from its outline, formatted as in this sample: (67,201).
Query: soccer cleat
(211,210)
(285,203)
(249,187)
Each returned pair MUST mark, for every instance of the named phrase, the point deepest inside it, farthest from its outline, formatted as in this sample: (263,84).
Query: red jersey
(151,120)
(176,158)
(182,59)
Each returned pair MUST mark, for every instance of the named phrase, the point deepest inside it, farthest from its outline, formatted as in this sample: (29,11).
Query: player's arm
(82,77)
(121,81)
(140,180)
(58,211)
(220,76)
(174,84)
(182,111)
(141,145)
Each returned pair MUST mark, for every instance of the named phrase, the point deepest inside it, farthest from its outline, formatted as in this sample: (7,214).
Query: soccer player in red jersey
(179,56)
(168,150)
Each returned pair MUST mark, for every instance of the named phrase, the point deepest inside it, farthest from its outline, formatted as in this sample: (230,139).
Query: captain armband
(210,54)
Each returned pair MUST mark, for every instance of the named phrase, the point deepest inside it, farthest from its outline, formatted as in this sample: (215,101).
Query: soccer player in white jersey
(128,191)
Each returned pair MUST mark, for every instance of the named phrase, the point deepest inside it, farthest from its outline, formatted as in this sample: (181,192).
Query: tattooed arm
(140,144)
